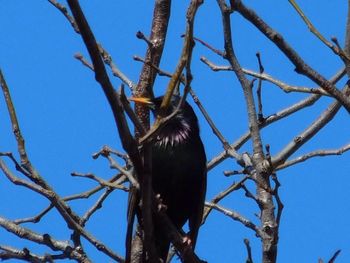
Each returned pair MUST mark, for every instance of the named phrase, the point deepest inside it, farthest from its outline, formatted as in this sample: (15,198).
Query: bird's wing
(132,207)
(195,219)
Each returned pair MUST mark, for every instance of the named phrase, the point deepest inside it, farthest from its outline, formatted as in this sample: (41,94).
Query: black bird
(179,170)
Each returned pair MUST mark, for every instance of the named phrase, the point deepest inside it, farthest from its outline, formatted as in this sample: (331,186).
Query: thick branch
(128,142)
(161,15)
(269,226)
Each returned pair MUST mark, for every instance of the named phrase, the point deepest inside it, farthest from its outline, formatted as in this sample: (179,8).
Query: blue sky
(65,118)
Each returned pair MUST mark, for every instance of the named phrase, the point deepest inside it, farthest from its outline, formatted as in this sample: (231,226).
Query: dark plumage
(179,171)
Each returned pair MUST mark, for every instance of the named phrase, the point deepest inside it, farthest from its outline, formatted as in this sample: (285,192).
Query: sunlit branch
(101,181)
(309,101)
(237,217)
(337,49)
(104,53)
(43,239)
(264,76)
(222,195)
(301,66)
(318,153)
(96,206)
(324,118)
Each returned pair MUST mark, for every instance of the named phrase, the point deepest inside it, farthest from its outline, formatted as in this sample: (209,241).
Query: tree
(256,162)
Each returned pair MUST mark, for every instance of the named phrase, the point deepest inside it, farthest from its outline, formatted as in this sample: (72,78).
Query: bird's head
(180,127)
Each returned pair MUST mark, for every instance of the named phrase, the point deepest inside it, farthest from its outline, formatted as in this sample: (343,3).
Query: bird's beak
(143,100)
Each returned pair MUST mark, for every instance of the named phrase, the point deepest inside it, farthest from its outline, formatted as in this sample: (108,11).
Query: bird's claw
(160,206)
(187,241)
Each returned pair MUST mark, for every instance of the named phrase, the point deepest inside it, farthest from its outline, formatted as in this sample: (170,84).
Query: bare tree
(257,165)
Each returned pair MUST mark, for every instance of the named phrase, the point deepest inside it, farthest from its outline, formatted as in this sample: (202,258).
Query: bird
(179,173)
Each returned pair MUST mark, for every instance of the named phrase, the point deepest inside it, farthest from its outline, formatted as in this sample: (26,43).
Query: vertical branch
(260,106)
(25,162)
(246,85)
(128,142)
(161,15)
(261,165)
(249,251)
(13,117)
(184,59)
(347,39)
(146,190)
(148,243)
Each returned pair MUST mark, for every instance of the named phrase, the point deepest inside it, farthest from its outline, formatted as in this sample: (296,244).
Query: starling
(178,170)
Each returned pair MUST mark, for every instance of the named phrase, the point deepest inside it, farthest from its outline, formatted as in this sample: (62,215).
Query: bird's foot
(161,207)
(187,241)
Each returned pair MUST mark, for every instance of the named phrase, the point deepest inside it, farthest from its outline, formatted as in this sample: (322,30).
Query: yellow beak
(143,100)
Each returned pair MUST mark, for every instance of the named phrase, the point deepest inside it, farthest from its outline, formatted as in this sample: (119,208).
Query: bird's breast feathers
(173,134)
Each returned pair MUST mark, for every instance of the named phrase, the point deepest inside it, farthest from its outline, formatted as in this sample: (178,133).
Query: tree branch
(309,132)
(291,54)
(309,101)
(44,239)
(264,76)
(237,217)
(318,153)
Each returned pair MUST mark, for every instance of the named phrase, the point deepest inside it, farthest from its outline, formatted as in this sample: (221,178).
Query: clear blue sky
(65,118)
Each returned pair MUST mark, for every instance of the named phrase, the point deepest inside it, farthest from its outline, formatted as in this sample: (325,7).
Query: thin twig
(264,76)
(336,49)
(101,181)
(249,251)
(334,257)
(229,150)
(104,53)
(280,205)
(258,91)
(25,163)
(142,36)
(44,239)
(324,118)
(216,51)
(222,195)
(307,102)
(84,61)
(301,66)
(250,195)
(34,219)
(318,153)
(64,210)
(96,206)
(237,217)
(65,12)
(116,180)
(347,39)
